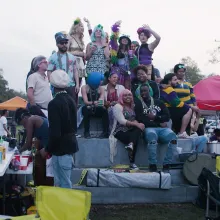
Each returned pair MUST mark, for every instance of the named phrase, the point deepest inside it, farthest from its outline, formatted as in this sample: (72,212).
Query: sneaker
(133,166)
(183,135)
(166,168)
(78,135)
(87,134)
(153,168)
(129,147)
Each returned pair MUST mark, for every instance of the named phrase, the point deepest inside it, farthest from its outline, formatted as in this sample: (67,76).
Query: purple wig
(145,31)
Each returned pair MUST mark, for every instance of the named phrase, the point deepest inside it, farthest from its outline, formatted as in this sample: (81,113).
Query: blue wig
(98,27)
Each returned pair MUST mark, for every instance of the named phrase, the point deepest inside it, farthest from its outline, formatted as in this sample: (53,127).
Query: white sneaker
(183,135)
(129,147)
(194,135)
(133,166)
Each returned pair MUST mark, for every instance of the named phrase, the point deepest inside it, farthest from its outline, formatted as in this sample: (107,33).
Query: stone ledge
(95,153)
(106,195)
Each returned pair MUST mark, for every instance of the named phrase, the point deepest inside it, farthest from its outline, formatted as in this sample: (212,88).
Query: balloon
(94,79)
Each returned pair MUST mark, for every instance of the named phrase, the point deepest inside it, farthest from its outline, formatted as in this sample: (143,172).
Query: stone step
(107,195)
(95,152)
(177,178)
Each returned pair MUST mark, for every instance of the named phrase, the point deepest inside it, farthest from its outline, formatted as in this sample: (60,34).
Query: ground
(147,212)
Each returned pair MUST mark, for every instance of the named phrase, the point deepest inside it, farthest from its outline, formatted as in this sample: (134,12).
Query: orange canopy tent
(13,104)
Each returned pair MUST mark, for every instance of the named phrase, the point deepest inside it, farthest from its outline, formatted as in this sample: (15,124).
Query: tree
(215,56)
(7,93)
(192,70)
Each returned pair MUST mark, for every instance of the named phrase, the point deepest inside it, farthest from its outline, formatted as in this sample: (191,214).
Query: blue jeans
(199,143)
(62,169)
(163,135)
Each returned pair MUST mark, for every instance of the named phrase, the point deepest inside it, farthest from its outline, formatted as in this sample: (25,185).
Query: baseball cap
(59,37)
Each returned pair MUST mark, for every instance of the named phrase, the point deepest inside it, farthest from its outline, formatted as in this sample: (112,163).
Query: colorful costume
(123,61)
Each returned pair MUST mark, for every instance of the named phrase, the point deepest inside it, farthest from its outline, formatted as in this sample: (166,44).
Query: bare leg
(185,121)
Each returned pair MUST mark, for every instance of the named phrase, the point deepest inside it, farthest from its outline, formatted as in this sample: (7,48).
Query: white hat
(59,79)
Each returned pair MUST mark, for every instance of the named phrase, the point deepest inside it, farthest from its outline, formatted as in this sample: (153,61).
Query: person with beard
(180,112)
(63,60)
(154,115)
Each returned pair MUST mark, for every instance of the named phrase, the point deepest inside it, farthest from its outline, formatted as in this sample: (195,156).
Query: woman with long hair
(97,52)
(76,46)
(122,57)
(126,129)
(112,91)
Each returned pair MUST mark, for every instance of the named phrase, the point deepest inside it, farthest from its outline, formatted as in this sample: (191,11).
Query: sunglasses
(181,66)
(63,43)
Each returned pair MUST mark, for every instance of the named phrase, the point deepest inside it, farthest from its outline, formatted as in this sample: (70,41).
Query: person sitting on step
(154,115)
(93,97)
(180,112)
(125,127)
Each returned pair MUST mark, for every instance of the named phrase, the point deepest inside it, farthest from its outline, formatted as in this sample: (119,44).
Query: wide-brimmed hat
(126,37)
(59,79)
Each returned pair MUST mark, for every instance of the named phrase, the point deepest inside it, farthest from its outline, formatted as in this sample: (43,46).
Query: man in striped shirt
(180,112)
(183,88)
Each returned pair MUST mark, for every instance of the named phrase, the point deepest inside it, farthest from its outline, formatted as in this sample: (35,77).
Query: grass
(147,212)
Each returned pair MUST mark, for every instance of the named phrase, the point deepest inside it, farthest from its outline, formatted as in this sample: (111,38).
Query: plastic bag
(49,168)
(55,203)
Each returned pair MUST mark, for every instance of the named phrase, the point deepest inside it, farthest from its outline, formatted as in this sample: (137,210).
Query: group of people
(122,87)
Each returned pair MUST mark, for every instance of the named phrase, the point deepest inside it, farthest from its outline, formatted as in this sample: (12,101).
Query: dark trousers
(127,137)
(40,178)
(99,112)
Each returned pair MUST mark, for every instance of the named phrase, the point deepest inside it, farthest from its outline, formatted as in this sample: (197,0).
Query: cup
(24,161)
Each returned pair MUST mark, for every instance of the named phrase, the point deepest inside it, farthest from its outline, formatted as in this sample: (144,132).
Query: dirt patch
(147,212)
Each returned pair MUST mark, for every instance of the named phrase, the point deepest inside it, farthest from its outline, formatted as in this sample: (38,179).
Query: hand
(107,104)
(43,153)
(146,26)
(86,20)
(96,103)
(141,126)
(77,89)
(92,47)
(195,109)
(9,134)
(118,23)
(151,116)
(163,125)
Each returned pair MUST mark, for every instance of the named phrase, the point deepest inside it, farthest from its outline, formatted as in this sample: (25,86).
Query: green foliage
(7,93)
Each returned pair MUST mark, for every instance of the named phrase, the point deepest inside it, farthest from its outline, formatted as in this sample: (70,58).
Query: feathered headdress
(77,21)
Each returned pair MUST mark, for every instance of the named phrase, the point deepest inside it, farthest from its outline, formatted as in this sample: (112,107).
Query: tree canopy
(5,92)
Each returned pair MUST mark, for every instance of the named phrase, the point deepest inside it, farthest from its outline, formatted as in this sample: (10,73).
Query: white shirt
(3,121)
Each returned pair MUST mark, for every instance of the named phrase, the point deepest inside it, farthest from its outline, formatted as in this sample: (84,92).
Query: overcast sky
(187,28)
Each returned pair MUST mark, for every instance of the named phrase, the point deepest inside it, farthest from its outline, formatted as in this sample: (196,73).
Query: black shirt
(62,116)
(159,110)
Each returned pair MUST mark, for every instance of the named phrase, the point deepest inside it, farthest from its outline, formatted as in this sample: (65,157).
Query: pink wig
(125,92)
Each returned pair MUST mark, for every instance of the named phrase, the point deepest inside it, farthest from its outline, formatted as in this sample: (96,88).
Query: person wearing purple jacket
(145,51)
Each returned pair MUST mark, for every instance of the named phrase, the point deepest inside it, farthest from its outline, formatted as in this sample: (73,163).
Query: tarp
(207,93)
(13,104)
